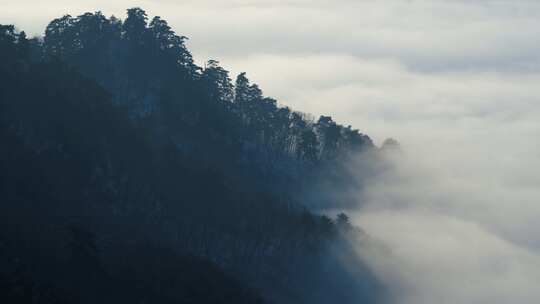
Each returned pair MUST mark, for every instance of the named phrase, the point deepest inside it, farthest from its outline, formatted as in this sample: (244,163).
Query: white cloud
(441,259)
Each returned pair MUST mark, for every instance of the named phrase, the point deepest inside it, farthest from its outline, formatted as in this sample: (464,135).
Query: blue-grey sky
(456,82)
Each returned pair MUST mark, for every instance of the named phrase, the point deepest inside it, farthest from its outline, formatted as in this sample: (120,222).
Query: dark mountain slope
(130,174)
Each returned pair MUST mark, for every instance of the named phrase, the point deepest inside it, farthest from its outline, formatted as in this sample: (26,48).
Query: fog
(454,230)
(456,83)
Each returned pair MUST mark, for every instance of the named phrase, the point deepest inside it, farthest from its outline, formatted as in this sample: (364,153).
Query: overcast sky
(457,83)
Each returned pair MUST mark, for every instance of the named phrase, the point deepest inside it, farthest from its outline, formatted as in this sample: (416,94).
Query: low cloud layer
(455,229)
(455,82)
(436,258)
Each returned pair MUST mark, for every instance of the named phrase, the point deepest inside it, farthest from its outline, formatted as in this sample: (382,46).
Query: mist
(452,230)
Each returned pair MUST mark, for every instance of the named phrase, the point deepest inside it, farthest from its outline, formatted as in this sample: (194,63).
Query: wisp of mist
(458,218)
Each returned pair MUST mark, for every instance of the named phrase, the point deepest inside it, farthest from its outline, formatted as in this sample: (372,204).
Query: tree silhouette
(182,175)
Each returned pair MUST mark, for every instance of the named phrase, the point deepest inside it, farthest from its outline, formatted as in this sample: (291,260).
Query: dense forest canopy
(125,166)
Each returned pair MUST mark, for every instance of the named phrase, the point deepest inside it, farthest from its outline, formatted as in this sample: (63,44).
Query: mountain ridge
(117,140)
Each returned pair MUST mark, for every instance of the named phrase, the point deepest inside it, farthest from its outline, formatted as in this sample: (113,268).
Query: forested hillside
(130,174)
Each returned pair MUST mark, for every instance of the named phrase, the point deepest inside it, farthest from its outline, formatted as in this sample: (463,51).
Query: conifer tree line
(157,59)
(125,166)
